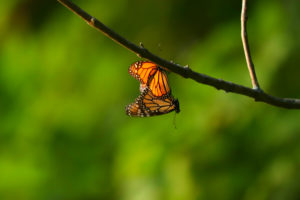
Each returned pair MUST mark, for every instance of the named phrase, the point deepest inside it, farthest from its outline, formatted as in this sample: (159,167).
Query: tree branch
(244,34)
(186,72)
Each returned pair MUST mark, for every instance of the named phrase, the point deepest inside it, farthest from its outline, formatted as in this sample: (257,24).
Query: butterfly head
(176,103)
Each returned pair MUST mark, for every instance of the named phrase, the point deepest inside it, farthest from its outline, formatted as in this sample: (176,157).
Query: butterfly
(151,75)
(147,105)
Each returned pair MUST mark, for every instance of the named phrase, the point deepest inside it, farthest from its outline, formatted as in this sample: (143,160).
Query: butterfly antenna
(174,121)
(159,47)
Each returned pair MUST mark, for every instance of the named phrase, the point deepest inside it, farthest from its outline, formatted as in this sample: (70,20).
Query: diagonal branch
(186,72)
(244,34)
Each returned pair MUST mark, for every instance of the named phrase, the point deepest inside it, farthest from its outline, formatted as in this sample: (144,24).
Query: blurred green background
(63,88)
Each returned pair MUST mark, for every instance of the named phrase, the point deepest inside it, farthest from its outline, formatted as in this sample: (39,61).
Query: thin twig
(186,72)
(244,18)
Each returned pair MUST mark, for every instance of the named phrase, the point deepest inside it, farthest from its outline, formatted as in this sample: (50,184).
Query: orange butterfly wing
(142,70)
(147,105)
(149,74)
(159,84)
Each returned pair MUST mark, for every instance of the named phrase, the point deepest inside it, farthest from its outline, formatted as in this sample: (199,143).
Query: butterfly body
(151,75)
(147,105)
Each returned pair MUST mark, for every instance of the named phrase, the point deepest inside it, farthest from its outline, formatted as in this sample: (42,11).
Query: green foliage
(63,88)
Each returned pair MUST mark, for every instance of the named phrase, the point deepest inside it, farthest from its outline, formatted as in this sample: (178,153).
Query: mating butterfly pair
(156,97)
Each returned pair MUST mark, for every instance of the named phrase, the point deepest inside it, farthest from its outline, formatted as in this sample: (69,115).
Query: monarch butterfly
(147,105)
(151,75)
